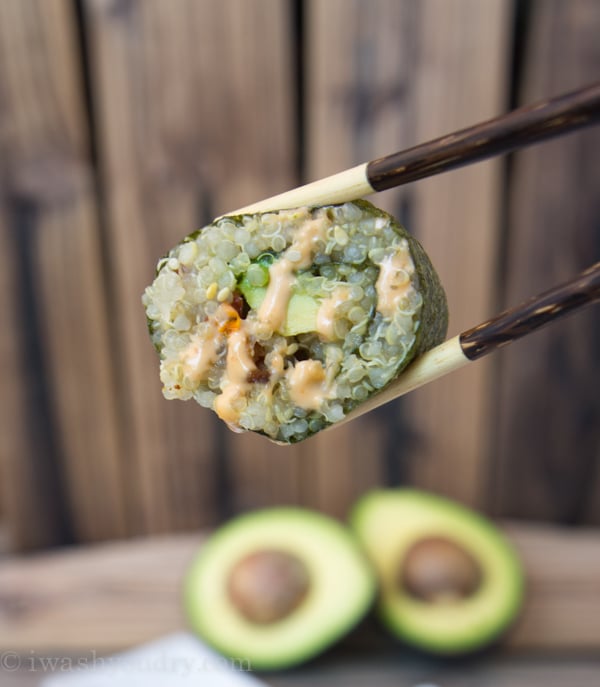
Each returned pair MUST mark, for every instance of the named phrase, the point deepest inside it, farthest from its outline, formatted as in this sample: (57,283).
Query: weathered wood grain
(31,516)
(548,447)
(392,75)
(194,113)
(460,78)
(194,117)
(257,156)
(111,596)
(562,569)
(359,59)
(4,540)
(61,477)
(105,597)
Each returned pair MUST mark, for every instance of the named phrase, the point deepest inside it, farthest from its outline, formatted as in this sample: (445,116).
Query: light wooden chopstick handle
(350,184)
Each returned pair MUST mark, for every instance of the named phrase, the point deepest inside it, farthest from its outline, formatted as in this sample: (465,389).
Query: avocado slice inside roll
(283,322)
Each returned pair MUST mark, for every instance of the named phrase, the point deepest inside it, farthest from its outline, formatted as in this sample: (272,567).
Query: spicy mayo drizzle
(394,281)
(326,312)
(235,384)
(308,385)
(298,256)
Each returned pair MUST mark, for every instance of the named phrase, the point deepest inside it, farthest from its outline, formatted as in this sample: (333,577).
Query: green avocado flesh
(340,589)
(302,309)
(301,313)
(393,524)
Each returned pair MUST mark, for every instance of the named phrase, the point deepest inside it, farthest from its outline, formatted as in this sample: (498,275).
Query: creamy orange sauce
(276,365)
(239,366)
(235,383)
(306,241)
(326,312)
(394,281)
(199,356)
(274,307)
(307,384)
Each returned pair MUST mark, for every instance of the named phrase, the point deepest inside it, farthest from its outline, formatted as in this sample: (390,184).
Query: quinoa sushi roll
(283,322)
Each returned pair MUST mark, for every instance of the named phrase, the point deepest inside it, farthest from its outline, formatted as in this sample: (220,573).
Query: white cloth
(178,660)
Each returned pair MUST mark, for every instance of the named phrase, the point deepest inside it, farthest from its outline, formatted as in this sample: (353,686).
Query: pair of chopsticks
(512,131)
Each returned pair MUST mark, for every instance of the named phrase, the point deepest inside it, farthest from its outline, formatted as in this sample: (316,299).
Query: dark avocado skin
(434,313)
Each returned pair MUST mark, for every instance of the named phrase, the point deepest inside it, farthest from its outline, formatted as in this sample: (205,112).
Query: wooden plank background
(61,454)
(112,596)
(552,381)
(126,124)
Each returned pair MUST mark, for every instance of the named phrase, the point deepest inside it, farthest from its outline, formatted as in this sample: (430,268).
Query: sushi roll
(283,322)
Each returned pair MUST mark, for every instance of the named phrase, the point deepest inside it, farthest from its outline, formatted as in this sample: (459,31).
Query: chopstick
(516,129)
(487,337)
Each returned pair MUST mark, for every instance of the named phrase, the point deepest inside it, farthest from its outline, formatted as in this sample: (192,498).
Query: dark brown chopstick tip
(509,132)
(535,313)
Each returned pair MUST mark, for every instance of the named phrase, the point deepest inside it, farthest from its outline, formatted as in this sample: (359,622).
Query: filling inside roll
(283,322)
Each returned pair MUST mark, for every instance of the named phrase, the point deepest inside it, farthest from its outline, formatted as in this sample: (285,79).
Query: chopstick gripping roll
(283,322)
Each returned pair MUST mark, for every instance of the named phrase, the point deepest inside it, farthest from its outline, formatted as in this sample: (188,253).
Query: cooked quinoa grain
(283,322)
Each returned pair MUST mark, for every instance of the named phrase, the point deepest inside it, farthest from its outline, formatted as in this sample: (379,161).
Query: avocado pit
(268,585)
(438,570)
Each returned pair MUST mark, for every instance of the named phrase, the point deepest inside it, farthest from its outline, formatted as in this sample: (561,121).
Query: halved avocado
(277,587)
(450,582)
